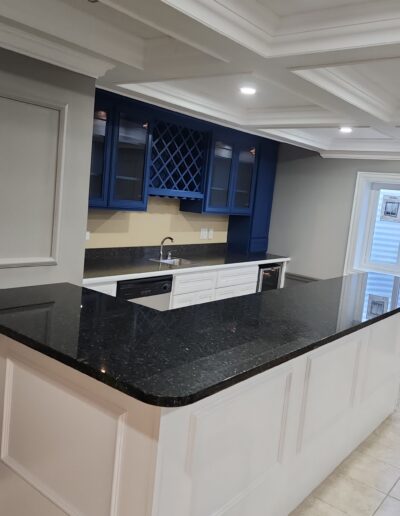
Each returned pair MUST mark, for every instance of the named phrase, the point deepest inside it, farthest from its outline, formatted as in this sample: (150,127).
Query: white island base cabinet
(70,444)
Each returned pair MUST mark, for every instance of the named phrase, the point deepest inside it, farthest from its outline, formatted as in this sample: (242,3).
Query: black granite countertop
(177,357)
(126,261)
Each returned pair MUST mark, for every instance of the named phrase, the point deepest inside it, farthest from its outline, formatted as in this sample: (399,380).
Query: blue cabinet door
(231,180)
(220,178)
(101,146)
(242,196)
(129,159)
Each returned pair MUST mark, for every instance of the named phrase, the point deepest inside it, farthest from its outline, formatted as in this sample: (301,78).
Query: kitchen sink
(175,262)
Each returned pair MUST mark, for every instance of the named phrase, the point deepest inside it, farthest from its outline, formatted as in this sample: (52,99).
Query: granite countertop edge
(152,398)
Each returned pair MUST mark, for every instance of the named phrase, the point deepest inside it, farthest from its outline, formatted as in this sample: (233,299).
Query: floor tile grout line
(387,443)
(329,504)
(372,487)
(380,505)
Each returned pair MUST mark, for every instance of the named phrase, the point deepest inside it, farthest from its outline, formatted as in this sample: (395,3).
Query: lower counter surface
(178,357)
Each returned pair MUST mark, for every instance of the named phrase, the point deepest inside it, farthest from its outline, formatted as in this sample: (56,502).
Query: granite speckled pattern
(131,260)
(177,357)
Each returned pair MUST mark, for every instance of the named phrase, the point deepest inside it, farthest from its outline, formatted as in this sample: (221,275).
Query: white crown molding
(299,138)
(76,27)
(232,20)
(51,52)
(175,28)
(258,28)
(341,84)
(346,16)
(295,117)
(172,96)
(372,155)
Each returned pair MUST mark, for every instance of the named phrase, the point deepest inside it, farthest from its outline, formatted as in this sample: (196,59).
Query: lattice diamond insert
(177,158)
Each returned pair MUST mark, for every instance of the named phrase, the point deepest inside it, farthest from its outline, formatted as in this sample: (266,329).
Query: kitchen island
(237,408)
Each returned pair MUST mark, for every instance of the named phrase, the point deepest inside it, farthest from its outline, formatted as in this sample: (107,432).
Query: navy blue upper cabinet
(120,155)
(128,185)
(231,175)
(244,183)
(220,179)
(100,165)
(178,158)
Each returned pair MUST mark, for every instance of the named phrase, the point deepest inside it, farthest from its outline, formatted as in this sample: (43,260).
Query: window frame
(362,224)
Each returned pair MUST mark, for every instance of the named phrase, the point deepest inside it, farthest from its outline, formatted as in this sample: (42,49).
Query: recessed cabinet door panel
(326,398)
(236,443)
(68,454)
(221,176)
(129,162)
(383,358)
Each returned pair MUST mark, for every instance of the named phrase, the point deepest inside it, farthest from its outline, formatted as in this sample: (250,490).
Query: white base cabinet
(70,444)
(203,287)
(192,288)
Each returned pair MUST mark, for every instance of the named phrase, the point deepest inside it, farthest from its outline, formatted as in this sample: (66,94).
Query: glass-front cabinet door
(244,180)
(129,161)
(221,177)
(98,187)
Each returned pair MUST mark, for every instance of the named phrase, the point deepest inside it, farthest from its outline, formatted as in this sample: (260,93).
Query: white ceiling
(316,64)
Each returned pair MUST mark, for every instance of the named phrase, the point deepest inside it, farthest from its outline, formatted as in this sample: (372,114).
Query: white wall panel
(45,146)
(30,169)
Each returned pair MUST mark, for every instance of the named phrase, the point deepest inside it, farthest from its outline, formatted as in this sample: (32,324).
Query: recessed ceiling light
(247,90)
(346,130)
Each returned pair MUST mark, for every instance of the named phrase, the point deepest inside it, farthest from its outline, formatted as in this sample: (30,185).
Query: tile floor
(367,483)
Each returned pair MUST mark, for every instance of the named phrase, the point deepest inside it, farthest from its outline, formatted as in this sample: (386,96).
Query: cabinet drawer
(235,291)
(104,288)
(244,290)
(192,298)
(195,282)
(237,276)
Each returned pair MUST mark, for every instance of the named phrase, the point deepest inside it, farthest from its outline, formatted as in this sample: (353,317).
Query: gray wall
(44,171)
(312,206)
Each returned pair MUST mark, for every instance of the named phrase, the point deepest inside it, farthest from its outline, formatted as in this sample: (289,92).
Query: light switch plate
(210,233)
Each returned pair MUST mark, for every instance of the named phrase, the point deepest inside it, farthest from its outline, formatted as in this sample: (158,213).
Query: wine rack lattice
(177,160)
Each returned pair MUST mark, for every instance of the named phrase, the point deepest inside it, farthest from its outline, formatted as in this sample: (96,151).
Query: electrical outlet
(87,235)
(203,234)
(210,233)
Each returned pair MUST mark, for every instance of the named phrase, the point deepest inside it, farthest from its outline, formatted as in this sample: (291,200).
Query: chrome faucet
(162,245)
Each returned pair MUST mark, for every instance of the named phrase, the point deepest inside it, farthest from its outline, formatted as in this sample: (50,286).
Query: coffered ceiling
(316,64)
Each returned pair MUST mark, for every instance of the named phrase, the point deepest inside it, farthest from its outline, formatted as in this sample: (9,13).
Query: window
(374,238)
